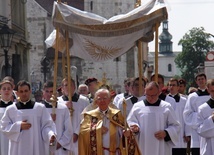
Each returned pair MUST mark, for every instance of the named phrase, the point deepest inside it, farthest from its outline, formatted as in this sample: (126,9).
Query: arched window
(169,67)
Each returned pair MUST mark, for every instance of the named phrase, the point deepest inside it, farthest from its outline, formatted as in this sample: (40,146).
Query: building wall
(14,11)
(163,62)
(39,26)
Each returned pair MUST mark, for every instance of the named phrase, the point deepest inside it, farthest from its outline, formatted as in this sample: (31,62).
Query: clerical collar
(210,102)
(3,103)
(176,97)
(75,97)
(202,93)
(157,103)
(6,102)
(134,99)
(105,111)
(203,90)
(28,105)
(25,102)
(48,102)
(171,95)
(162,96)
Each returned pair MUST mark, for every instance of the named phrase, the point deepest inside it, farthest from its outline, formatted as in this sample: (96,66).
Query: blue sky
(183,15)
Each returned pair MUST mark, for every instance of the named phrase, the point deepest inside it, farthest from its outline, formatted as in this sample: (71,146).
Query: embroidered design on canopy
(99,52)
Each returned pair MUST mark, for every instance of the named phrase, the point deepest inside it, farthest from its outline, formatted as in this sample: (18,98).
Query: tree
(195,44)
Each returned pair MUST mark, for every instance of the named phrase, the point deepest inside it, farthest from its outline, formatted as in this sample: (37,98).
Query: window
(169,67)
(91,5)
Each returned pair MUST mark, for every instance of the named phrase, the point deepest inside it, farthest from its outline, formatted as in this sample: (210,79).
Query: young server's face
(210,89)
(201,82)
(24,93)
(173,87)
(6,92)
(47,93)
(65,89)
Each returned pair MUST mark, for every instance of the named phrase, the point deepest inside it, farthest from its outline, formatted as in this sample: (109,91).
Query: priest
(62,120)
(102,130)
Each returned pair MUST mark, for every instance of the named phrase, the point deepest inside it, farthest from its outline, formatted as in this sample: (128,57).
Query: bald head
(152,92)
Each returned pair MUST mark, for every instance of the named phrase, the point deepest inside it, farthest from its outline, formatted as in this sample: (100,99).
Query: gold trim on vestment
(90,136)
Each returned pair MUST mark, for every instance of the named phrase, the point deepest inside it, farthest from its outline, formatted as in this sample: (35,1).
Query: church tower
(165,44)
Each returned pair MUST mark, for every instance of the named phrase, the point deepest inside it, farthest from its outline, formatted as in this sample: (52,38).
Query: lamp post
(45,62)
(6,36)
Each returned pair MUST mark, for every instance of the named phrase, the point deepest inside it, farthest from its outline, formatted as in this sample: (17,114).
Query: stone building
(15,59)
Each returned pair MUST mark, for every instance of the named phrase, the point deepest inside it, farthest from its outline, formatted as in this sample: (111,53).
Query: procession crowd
(149,118)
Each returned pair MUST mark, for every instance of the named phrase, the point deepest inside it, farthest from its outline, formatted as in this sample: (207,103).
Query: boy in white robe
(181,146)
(190,114)
(155,123)
(6,91)
(78,103)
(205,122)
(127,86)
(61,119)
(163,96)
(27,125)
(136,96)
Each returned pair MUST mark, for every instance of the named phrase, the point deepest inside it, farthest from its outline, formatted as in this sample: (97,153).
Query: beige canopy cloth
(96,38)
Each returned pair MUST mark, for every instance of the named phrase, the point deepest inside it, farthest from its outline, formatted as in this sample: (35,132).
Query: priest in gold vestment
(102,130)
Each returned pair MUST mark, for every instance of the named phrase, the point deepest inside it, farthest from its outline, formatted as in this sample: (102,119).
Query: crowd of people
(148,118)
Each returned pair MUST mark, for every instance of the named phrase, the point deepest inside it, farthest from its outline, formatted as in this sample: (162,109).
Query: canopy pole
(140,68)
(63,65)
(156,51)
(68,70)
(140,56)
(54,98)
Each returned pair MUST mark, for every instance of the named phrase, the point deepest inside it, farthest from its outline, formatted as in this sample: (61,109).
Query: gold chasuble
(90,136)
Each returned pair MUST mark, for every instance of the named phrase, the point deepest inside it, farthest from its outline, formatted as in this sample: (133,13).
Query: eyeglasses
(172,85)
(152,96)
(102,99)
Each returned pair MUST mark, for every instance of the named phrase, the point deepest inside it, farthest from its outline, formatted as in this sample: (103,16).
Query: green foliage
(195,44)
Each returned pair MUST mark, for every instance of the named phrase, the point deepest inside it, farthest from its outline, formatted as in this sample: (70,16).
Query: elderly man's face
(102,99)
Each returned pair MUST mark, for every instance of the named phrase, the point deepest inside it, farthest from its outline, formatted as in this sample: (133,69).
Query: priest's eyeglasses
(152,96)
(102,99)
(172,85)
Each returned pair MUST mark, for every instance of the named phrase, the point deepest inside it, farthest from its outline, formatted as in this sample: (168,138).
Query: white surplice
(185,129)
(63,128)
(4,141)
(32,141)
(190,115)
(129,104)
(76,117)
(206,129)
(151,119)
